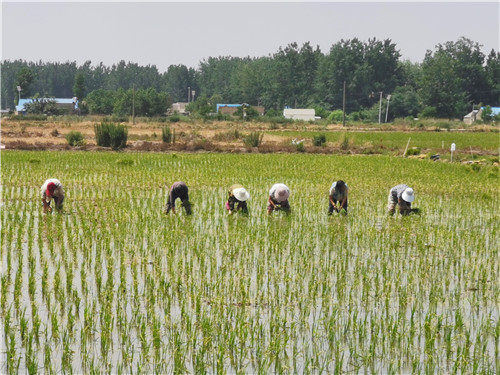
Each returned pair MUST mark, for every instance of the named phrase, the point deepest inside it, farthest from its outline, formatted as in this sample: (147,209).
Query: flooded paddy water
(114,285)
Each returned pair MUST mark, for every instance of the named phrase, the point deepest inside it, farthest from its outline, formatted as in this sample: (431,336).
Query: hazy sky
(166,33)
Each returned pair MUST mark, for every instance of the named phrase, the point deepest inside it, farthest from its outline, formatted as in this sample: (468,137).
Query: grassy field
(114,285)
(437,141)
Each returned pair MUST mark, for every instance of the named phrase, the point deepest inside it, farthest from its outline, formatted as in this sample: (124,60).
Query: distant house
(180,108)
(476,114)
(63,104)
(308,114)
(231,109)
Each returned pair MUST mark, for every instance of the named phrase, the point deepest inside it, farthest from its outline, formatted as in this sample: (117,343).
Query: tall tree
(24,79)
(453,78)
(79,86)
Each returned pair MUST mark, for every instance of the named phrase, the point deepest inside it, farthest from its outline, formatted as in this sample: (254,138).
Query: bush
(319,140)
(168,135)
(75,138)
(253,139)
(344,141)
(108,134)
(174,118)
(413,151)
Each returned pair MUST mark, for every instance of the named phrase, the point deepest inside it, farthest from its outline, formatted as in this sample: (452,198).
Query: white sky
(166,33)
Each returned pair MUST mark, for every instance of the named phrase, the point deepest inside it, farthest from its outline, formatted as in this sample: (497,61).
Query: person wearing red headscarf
(52,189)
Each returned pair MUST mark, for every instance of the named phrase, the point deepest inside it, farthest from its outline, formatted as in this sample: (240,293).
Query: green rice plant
(299,293)
(108,134)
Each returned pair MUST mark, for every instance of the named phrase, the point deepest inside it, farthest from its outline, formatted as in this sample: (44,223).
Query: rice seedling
(114,285)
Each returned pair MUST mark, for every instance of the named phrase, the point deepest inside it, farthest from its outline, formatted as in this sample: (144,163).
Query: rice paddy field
(113,285)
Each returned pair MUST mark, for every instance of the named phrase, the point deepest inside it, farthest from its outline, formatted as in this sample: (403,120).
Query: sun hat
(281,194)
(408,195)
(241,194)
(50,188)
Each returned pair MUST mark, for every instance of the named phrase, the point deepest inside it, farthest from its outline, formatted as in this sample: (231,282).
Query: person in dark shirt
(237,198)
(178,190)
(338,193)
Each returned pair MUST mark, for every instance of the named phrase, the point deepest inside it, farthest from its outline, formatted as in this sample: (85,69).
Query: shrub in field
(75,138)
(319,140)
(413,151)
(168,135)
(108,134)
(254,139)
(174,118)
(344,142)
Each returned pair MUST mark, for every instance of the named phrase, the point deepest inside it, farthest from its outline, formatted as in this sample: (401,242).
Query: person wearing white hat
(338,193)
(401,195)
(237,196)
(278,198)
(52,189)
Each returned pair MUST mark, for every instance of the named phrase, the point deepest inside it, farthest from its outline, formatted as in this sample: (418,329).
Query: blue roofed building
(63,104)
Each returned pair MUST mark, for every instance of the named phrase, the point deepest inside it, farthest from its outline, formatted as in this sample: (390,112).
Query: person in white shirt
(278,198)
(52,189)
(402,196)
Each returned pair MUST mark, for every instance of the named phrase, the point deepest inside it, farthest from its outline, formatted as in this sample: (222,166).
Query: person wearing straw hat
(238,197)
(52,189)
(338,193)
(401,195)
(179,190)
(278,198)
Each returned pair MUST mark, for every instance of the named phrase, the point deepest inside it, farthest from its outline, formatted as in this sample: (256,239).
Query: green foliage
(300,147)
(174,118)
(42,106)
(79,89)
(75,138)
(254,139)
(167,134)
(344,141)
(336,116)
(413,151)
(427,112)
(319,140)
(24,79)
(208,293)
(109,134)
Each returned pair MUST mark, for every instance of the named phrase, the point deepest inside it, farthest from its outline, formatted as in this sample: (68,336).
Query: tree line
(449,81)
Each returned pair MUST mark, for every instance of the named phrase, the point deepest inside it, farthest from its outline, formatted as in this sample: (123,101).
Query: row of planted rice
(112,284)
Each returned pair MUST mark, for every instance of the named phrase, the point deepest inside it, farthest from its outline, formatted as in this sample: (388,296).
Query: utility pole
(387,110)
(133,104)
(380,108)
(189,94)
(343,108)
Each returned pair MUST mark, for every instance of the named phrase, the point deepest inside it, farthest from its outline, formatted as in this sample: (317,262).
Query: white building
(308,114)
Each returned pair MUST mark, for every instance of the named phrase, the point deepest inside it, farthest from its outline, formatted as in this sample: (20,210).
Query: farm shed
(308,114)
(477,113)
(66,104)
(230,109)
(179,107)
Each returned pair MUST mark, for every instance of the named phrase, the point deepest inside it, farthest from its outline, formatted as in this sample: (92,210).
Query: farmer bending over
(338,193)
(237,197)
(402,196)
(178,190)
(278,198)
(52,189)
